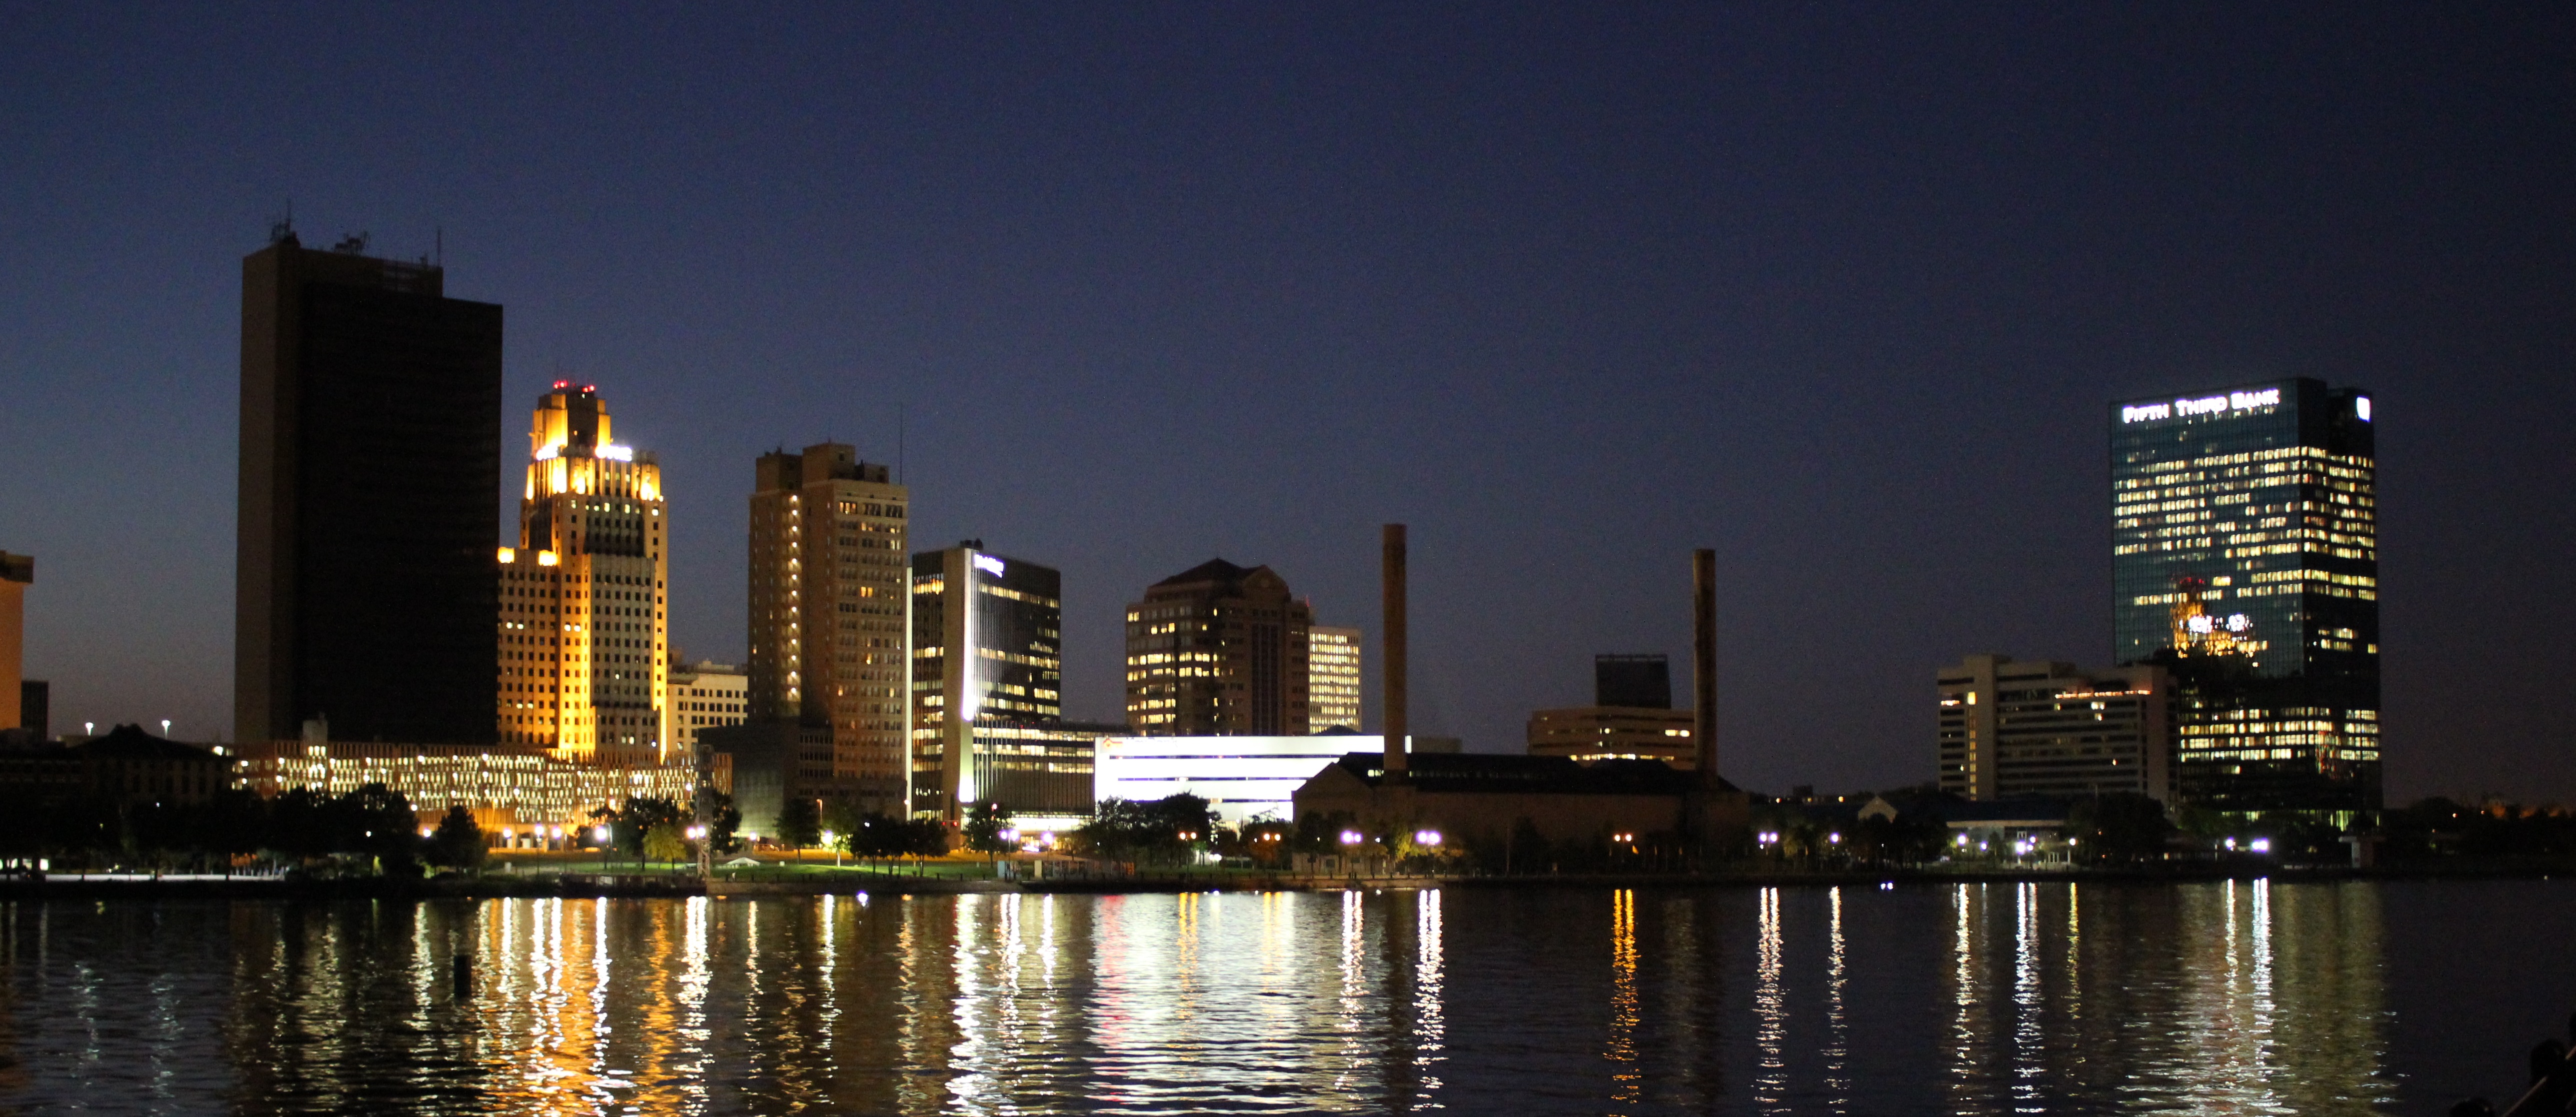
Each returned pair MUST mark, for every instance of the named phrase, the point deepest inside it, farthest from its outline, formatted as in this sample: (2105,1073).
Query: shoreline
(649,885)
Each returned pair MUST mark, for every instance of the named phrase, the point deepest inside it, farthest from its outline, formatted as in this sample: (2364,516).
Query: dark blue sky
(1839,291)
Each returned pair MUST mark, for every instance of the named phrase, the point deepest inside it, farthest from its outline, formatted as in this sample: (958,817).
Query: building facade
(1218,649)
(706,695)
(370,453)
(2245,560)
(987,637)
(1639,681)
(584,624)
(1332,679)
(1243,778)
(2011,729)
(1631,717)
(830,611)
(1590,734)
(17,572)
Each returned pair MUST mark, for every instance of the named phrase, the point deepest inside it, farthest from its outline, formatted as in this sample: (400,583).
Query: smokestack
(1391,571)
(1704,663)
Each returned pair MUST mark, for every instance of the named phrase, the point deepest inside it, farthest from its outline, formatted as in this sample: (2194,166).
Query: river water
(2222,997)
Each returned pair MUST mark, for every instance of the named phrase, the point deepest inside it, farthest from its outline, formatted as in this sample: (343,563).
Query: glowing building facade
(584,629)
(987,634)
(1332,679)
(830,621)
(2245,559)
(2012,729)
(1218,649)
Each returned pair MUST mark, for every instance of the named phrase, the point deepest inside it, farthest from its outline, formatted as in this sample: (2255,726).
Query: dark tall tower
(370,457)
(2245,557)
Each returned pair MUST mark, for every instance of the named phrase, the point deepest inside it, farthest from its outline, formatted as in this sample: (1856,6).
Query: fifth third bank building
(2245,558)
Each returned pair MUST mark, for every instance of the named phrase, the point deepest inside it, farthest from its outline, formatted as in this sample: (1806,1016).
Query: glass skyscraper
(2245,558)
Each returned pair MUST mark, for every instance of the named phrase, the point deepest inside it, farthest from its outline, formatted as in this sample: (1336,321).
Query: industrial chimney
(1391,571)
(1704,663)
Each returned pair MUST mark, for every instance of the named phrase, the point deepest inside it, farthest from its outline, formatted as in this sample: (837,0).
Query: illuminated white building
(584,635)
(2013,729)
(1244,779)
(1332,678)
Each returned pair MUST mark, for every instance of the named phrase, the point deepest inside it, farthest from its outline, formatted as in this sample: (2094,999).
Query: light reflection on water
(2244,997)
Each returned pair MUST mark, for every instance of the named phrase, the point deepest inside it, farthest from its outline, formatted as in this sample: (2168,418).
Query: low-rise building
(505,786)
(2010,729)
(706,695)
(1244,779)
(1631,717)
(1472,798)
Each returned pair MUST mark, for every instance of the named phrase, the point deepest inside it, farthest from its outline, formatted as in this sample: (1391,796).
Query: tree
(2122,827)
(985,822)
(457,843)
(664,841)
(800,823)
(637,818)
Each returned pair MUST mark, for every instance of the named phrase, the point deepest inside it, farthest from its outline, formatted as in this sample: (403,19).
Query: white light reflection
(1349,1018)
(1770,1012)
(2026,1036)
(1430,1029)
(691,1066)
(1837,974)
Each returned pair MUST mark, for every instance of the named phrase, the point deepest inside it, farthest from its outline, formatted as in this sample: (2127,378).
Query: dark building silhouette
(1643,682)
(1218,649)
(2245,559)
(370,456)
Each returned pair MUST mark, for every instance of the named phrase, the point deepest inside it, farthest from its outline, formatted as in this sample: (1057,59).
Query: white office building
(1244,779)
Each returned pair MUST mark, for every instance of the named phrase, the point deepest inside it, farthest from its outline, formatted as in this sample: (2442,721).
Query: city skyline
(1860,345)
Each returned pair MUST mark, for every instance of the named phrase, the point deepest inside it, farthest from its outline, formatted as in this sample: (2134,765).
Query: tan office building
(1218,650)
(705,695)
(2009,729)
(1589,734)
(830,620)
(1332,679)
(584,630)
(17,572)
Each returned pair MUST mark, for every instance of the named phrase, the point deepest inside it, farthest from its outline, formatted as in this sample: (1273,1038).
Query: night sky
(1842,292)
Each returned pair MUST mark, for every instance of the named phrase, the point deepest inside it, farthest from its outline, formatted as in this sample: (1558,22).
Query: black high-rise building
(2245,558)
(370,459)
(1638,681)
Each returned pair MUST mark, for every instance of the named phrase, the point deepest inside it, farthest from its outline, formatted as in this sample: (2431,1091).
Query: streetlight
(165,727)
(1426,837)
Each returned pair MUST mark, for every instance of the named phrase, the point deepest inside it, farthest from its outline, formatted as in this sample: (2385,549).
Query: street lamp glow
(599,833)
(1352,837)
(2260,845)
(830,837)
(1426,837)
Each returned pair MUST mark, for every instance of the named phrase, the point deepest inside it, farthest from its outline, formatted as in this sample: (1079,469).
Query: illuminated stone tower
(2245,558)
(584,633)
(830,622)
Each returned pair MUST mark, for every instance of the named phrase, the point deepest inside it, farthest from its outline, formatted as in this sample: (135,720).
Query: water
(2245,997)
